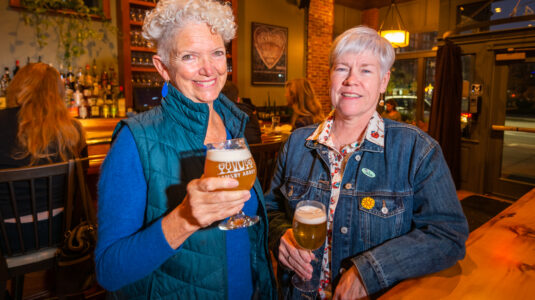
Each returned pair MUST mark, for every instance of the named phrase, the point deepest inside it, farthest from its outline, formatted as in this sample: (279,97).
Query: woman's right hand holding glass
(207,200)
(294,257)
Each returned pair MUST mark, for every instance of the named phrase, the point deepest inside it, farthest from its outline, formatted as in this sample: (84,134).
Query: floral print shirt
(338,160)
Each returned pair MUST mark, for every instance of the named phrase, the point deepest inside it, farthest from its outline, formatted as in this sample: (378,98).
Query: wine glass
(232,159)
(310,231)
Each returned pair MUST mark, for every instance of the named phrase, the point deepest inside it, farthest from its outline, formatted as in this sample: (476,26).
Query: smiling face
(356,84)
(198,65)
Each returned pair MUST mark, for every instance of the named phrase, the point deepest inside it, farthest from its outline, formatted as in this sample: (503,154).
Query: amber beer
(310,226)
(231,163)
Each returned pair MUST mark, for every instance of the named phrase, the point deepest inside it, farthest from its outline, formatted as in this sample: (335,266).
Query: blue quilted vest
(170,141)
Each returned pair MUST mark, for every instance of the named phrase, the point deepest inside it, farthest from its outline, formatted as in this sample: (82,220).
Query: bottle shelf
(143,69)
(143,3)
(142,49)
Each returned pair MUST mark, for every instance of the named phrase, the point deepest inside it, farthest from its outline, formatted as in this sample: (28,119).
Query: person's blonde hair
(45,127)
(303,100)
(169,16)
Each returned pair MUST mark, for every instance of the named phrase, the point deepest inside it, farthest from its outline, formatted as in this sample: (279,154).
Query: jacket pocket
(295,190)
(380,218)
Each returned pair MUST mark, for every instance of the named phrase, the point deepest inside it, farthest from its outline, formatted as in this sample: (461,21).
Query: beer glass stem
(307,286)
(239,220)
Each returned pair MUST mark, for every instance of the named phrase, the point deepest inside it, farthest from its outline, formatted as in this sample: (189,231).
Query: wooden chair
(265,157)
(24,248)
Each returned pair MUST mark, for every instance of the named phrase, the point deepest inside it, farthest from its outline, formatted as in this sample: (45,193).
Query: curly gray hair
(163,22)
(359,39)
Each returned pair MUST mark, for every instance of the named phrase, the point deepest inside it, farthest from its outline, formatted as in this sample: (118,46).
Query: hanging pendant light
(395,31)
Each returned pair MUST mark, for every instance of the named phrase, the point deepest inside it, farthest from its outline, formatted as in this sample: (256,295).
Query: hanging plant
(70,20)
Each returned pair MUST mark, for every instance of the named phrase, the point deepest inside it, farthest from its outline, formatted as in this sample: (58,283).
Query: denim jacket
(422,230)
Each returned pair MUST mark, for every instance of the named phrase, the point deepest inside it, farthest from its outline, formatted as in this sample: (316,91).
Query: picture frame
(269,58)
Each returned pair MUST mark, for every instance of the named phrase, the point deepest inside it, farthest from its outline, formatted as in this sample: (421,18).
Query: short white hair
(169,16)
(360,39)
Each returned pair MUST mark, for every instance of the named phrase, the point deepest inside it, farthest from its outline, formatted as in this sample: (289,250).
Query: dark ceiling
(366,4)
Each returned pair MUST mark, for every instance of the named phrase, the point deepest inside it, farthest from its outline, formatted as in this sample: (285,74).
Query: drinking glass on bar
(310,231)
(232,159)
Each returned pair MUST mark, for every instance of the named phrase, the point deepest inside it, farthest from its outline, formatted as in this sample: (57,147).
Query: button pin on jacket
(384,210)
(368,202)
(291,192)
(368,172)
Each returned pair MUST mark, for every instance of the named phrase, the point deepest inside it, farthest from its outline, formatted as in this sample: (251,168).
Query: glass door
(513,128)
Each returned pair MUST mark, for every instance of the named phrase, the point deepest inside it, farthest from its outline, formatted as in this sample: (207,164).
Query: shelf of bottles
(93,94)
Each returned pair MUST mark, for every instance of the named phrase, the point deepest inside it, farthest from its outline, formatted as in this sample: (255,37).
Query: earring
(165,88)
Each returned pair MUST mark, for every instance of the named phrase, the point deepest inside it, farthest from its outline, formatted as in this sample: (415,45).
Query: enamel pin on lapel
(368,172)
(368,202)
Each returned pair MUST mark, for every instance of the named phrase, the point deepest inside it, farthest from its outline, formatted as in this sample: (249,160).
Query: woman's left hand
(350,286)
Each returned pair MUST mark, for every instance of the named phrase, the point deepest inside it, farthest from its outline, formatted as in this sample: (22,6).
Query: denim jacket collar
(373,140)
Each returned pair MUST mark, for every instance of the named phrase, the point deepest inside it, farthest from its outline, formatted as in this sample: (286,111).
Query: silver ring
(288,258)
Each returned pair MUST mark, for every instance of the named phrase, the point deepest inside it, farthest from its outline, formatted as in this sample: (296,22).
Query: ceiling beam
(366,4)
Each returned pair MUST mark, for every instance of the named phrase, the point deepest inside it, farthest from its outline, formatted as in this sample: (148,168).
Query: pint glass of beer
(232,159)
(310,231)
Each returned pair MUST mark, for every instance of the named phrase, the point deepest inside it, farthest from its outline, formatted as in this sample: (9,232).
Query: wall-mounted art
(270,54)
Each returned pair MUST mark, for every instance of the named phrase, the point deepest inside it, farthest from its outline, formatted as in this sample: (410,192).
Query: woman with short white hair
(156,237)
(392,209)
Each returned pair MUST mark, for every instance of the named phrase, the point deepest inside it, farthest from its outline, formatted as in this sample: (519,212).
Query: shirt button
(343,230)
(357,157)
(348,186)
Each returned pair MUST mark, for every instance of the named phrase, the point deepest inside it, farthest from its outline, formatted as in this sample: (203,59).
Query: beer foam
(310,215)
(228,155)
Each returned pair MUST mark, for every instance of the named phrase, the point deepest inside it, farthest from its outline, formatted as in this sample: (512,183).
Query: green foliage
(71,20)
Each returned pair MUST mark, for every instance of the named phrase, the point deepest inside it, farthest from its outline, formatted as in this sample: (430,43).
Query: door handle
(512,128)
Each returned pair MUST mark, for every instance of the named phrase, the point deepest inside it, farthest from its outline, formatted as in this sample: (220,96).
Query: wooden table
(499,262)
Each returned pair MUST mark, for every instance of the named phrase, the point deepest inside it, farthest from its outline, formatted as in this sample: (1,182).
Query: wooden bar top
(499,262)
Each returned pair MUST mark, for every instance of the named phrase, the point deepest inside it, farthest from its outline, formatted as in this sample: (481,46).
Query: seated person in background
(390,112)
(252,127)
(37,130)
(393,212)
(306,107)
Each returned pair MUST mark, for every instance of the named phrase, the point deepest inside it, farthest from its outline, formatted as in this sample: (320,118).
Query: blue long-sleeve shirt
(125,252)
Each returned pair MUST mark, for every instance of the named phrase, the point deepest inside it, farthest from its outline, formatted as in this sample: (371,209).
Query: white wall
(18,42)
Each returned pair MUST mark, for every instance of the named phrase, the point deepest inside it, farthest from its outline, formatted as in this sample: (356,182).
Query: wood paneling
(366,4)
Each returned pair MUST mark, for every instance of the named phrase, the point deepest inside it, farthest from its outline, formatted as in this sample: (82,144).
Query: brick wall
(319,40)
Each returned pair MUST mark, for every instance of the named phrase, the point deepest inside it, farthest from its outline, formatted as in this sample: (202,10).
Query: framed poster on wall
(270,54)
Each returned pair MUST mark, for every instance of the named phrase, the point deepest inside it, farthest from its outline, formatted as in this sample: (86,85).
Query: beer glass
(232,159)
(310,231)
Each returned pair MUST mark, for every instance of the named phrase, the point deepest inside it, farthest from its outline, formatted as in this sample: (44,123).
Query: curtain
(445,118)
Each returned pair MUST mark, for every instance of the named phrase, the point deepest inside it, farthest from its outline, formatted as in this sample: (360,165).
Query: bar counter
(499,262)
(98,139)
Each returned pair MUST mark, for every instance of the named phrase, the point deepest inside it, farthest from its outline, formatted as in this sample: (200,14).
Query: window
(412,79)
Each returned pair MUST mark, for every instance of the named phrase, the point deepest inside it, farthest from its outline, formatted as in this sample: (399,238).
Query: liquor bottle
(16,69)
(88,77)
(4,82)
(94,72)
(121,103)
(70,78)
(83,112)
(112,77)
(80,77)
(104,78)
(95,109)
(62,73)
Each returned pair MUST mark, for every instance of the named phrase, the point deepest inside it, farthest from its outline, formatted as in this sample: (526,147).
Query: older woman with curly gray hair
(156,209)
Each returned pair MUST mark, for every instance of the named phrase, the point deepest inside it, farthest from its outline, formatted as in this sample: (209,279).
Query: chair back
(265,157)
(33,202)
